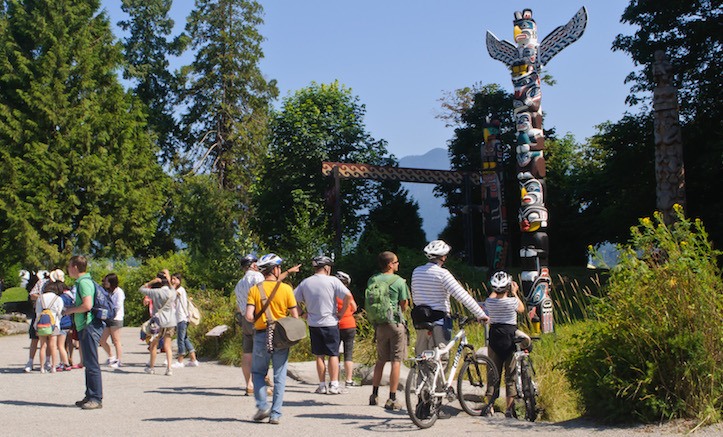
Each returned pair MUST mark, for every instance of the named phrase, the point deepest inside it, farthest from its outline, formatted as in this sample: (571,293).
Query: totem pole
(494,211)
(669,171)
(526,60)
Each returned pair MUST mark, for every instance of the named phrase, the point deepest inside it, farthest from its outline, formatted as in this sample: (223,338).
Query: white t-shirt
(181,305)
(118,298)
(251,278)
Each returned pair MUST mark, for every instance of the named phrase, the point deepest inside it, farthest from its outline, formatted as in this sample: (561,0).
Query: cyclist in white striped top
(432,285)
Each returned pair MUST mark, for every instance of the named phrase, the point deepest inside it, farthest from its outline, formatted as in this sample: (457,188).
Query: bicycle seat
(523,343)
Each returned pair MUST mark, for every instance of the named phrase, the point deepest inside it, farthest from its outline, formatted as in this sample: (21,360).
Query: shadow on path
(36,404)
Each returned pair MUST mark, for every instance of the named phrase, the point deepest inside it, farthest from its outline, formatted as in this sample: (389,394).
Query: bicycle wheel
(475,376)
(422,405)
(528,390)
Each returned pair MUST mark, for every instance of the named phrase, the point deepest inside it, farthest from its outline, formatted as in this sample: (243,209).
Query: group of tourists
(64,320)
(328,306)
(262,298)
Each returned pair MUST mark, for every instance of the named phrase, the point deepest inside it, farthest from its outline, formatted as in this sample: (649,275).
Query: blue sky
(399,57)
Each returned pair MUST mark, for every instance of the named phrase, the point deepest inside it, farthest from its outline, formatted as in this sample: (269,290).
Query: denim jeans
(184,344)
(259,368)
(89,337)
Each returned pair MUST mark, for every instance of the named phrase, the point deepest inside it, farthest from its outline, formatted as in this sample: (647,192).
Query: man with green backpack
(385,298)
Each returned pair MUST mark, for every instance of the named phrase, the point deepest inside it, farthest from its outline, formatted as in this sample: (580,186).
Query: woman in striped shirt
(502,306)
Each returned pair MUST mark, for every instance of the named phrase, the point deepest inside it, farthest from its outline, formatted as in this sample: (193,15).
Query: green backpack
(378,303)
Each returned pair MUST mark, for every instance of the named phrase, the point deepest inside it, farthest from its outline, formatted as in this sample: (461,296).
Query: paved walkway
(209,401)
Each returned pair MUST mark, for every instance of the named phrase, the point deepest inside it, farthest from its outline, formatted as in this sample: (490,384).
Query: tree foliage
(226,95)
(322,122)
(689,32)
(78,171)
(146,51)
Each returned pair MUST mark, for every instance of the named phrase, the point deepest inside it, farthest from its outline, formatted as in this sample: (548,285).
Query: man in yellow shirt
(282,304)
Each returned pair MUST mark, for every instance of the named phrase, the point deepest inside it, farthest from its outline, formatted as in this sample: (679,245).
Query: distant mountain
(434,216)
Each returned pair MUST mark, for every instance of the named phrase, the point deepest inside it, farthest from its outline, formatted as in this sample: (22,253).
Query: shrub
(657,352)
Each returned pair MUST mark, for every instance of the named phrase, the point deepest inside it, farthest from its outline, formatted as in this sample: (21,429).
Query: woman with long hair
(113,327)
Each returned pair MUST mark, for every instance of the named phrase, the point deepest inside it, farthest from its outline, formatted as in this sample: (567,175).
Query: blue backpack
(103,308)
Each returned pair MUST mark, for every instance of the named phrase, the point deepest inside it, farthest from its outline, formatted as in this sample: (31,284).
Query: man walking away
(319,293)
(89,331)
(391,337)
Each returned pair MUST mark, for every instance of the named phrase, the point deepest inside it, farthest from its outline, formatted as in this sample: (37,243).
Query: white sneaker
(169,372)
(149,370)
(321,390)
(111,360)
(177,365)
(193,363)
(115,365)
(29,366)
(334,390)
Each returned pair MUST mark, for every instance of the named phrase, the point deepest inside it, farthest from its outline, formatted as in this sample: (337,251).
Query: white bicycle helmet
(343,277)
(268,261)
(501,282)
(436,248)
(321,261)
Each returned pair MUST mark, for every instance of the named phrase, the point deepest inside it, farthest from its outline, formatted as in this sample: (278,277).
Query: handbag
(284,332)
(194,315)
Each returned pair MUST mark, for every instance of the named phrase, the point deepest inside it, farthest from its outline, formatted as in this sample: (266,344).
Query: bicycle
(427,385)
(524,380)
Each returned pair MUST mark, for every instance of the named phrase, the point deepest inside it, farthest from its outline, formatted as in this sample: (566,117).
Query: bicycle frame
(435,356)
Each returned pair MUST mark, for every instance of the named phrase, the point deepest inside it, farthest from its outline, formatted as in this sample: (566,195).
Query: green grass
(15,294)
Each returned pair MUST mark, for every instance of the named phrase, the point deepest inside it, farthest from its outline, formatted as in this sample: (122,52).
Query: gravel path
(209,401)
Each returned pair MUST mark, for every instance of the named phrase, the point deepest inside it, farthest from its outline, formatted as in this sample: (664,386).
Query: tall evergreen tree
(146,50)
(227,96)
(393,223)
(78,171)
(322,122)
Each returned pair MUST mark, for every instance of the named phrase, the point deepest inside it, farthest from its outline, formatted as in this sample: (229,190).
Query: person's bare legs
(168,348)
(33,349)
(246,368)
(43,352)
(394,376)
(104,341)
(378,369)
(321,369)
(61,339)
(334,369)
(154,350)
(53,351)
(116,339)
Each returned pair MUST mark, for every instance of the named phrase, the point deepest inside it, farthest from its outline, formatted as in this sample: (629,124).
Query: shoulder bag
(284,332)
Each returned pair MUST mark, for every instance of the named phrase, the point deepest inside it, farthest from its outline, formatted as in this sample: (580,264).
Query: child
(51,301)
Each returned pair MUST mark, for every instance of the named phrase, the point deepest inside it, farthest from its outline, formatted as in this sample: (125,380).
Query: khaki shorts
(167,332)
(391,342)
